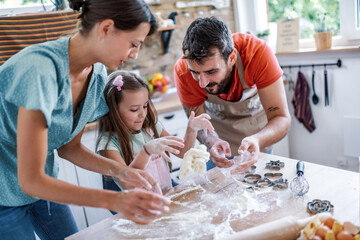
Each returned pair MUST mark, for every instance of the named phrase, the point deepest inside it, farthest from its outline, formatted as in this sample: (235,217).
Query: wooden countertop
(338,186)
(163,104)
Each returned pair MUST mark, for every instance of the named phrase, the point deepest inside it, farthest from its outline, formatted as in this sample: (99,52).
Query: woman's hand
(164,144)
(138,205)
(130,177)
(201,122)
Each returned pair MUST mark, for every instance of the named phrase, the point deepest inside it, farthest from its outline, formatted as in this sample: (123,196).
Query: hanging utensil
(326,87)
(315,98)
(291,81)
(299,185)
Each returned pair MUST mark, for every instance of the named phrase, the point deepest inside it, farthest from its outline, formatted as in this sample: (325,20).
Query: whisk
(299,186)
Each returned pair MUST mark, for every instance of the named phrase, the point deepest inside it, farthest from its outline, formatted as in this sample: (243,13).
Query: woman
(49,92)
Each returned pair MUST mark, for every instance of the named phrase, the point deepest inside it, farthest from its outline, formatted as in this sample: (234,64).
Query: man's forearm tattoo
(204,139)
(273,109)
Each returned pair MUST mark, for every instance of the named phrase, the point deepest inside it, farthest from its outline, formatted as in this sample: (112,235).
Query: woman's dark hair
(113,124)
(205,34)
(126,14)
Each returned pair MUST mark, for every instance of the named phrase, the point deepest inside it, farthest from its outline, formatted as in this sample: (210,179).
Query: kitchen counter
(165,103)
(214,206)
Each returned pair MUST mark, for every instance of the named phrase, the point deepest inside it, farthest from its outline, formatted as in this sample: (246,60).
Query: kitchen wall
(325,145)
(151,58)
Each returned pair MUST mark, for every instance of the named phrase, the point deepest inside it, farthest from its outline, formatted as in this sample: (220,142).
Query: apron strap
(240,69)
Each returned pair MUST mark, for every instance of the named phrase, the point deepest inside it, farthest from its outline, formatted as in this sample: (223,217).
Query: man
(236,79)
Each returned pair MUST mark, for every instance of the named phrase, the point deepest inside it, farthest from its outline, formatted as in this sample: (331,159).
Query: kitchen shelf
(160,29)
(313,50)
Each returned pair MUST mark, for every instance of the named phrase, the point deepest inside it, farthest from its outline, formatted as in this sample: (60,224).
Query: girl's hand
(164,144)
(201,122)
(138,205)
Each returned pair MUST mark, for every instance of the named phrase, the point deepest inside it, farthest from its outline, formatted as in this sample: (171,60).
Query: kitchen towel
(301,103)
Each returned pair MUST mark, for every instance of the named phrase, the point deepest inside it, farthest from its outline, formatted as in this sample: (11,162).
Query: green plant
(263,33)
(321,23)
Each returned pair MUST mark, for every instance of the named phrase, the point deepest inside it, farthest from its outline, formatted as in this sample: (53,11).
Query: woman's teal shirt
(37,78)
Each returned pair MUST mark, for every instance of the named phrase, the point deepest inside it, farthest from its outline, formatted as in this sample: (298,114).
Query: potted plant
(323,36)
(264,35)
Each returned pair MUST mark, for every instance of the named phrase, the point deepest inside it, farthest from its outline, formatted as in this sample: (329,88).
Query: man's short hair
(204,35)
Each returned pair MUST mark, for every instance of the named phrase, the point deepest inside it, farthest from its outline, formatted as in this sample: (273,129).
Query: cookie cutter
(252,178)
(263,183)
(275,165)
(252,169)
(274,177)
(318,206)
(283,184)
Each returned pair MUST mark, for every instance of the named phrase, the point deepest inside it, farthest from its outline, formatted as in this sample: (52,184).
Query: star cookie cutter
(318,206)
(275,165)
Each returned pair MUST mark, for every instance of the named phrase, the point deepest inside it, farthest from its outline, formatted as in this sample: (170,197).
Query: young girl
(131,135)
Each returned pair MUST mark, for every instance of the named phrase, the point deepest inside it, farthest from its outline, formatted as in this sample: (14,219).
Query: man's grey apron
(234,121)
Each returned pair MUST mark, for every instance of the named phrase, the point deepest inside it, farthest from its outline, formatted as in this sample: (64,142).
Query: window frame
(26,9)
(247,12)
(348,19)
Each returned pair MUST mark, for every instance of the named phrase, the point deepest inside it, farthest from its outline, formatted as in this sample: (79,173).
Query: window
(342,17)
(13,7)
(315,16)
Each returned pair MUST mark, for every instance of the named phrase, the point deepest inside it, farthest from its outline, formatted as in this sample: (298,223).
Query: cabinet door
(173,121)
(67,173)
(93,180)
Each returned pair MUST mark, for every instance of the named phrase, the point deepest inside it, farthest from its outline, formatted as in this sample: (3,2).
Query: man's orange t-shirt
(261,69)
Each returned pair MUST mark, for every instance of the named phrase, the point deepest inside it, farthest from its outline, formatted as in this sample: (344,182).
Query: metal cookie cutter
(275,165)
(273,177)
(283,184)
(264,183)
(252,178)
(318,206)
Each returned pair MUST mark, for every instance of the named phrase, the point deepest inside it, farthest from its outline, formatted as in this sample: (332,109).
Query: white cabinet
(84,216)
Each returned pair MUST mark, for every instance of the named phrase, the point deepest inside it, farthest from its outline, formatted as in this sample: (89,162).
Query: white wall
(325,145)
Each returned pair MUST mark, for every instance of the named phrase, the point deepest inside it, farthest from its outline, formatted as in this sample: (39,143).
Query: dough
(194,161)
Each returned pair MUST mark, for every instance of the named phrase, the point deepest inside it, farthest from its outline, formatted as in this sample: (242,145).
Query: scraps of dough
(194,161)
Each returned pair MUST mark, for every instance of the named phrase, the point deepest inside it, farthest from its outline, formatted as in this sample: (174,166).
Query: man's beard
(222,86)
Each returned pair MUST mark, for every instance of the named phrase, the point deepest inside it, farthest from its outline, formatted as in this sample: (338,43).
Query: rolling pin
(287,228)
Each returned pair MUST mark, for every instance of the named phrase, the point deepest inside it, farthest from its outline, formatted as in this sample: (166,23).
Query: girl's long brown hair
(112,121)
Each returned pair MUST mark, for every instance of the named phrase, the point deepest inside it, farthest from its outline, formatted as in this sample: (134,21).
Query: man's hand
(243,162)
(218,153)
(251,145)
